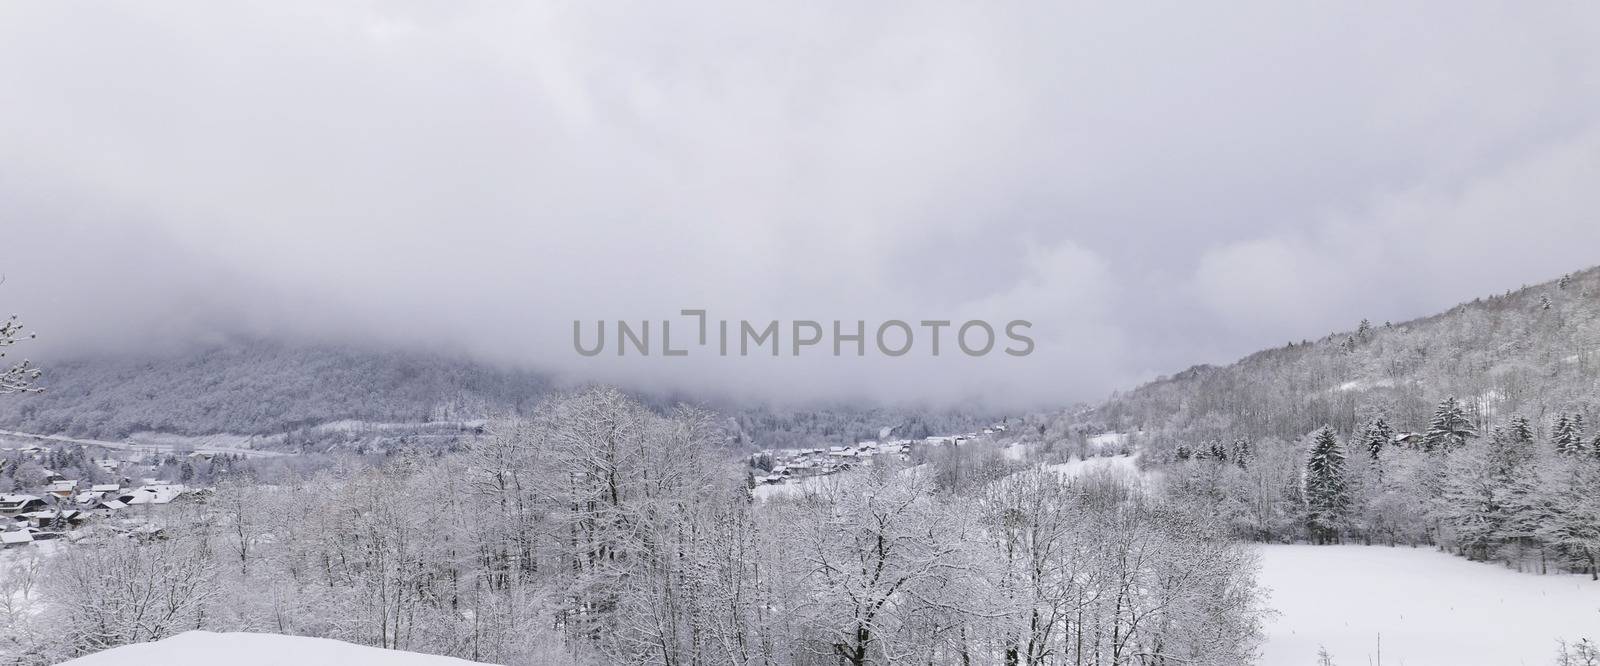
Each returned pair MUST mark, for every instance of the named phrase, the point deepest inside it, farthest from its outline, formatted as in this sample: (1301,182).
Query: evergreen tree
(1326,489)
(1450,427)
(1567,436)
(1218,451)
(1377,437)
(1243,455)
(1521,429)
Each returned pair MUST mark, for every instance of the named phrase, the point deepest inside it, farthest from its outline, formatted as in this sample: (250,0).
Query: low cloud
(1153,187)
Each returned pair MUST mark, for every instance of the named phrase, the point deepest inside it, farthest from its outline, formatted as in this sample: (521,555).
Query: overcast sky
(1153,186)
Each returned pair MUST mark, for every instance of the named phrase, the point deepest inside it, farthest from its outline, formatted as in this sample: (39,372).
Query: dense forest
(1466,430)
(260,387)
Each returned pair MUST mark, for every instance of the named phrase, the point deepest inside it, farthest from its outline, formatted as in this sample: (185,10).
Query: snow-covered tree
(1450,427)
(1377,436)
(1567,435)
(1470,503)
(1326,493)
(1569,519)
(15,377)
(1521,430)
(1243,452)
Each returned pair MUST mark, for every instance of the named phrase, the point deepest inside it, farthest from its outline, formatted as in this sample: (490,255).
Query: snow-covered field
(1429,608)
(1078,467)
(204,648)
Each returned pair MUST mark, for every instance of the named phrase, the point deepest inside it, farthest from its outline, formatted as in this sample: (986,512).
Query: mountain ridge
(1533,351)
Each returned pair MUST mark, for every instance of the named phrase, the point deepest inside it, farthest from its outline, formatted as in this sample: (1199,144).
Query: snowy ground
(1430,609)
(169,446)
(1078,467)
(1107,440)
(203,648)
(796,487)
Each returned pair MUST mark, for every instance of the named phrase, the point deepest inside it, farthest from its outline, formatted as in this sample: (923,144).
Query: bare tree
(16,377)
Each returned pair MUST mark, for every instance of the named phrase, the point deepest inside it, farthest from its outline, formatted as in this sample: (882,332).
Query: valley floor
(1422,607)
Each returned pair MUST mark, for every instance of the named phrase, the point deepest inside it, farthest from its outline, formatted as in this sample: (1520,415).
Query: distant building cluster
(793,464)
(58,505)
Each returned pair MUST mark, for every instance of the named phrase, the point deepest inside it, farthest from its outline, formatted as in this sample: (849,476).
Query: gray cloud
(1153,186)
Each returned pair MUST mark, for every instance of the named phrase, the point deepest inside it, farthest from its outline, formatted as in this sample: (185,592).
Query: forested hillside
(1465,430)
(259,387)
(1533,352)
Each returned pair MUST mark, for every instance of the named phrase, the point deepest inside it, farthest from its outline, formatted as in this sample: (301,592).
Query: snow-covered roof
(18,536)
(17,499)
(156,494)
(49,514)
(105,487)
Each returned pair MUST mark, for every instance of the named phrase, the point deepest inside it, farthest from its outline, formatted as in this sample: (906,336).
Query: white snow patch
(1108,439)
(795,487)
(204,648)
(1430,608)
(1364,384)
(1078,467)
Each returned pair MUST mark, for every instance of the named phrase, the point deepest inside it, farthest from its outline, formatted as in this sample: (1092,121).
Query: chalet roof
(17,499)
(156,494)
(18,536)
(48,513)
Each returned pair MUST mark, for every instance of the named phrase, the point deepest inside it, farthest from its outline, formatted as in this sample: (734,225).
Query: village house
(62,488)
(16,538)
(62,518)
(106,507)
(11,505)
(154,494)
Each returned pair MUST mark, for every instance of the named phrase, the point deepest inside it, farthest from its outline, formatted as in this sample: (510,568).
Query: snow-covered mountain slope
(204,648)
(266,392)
(1534,351)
